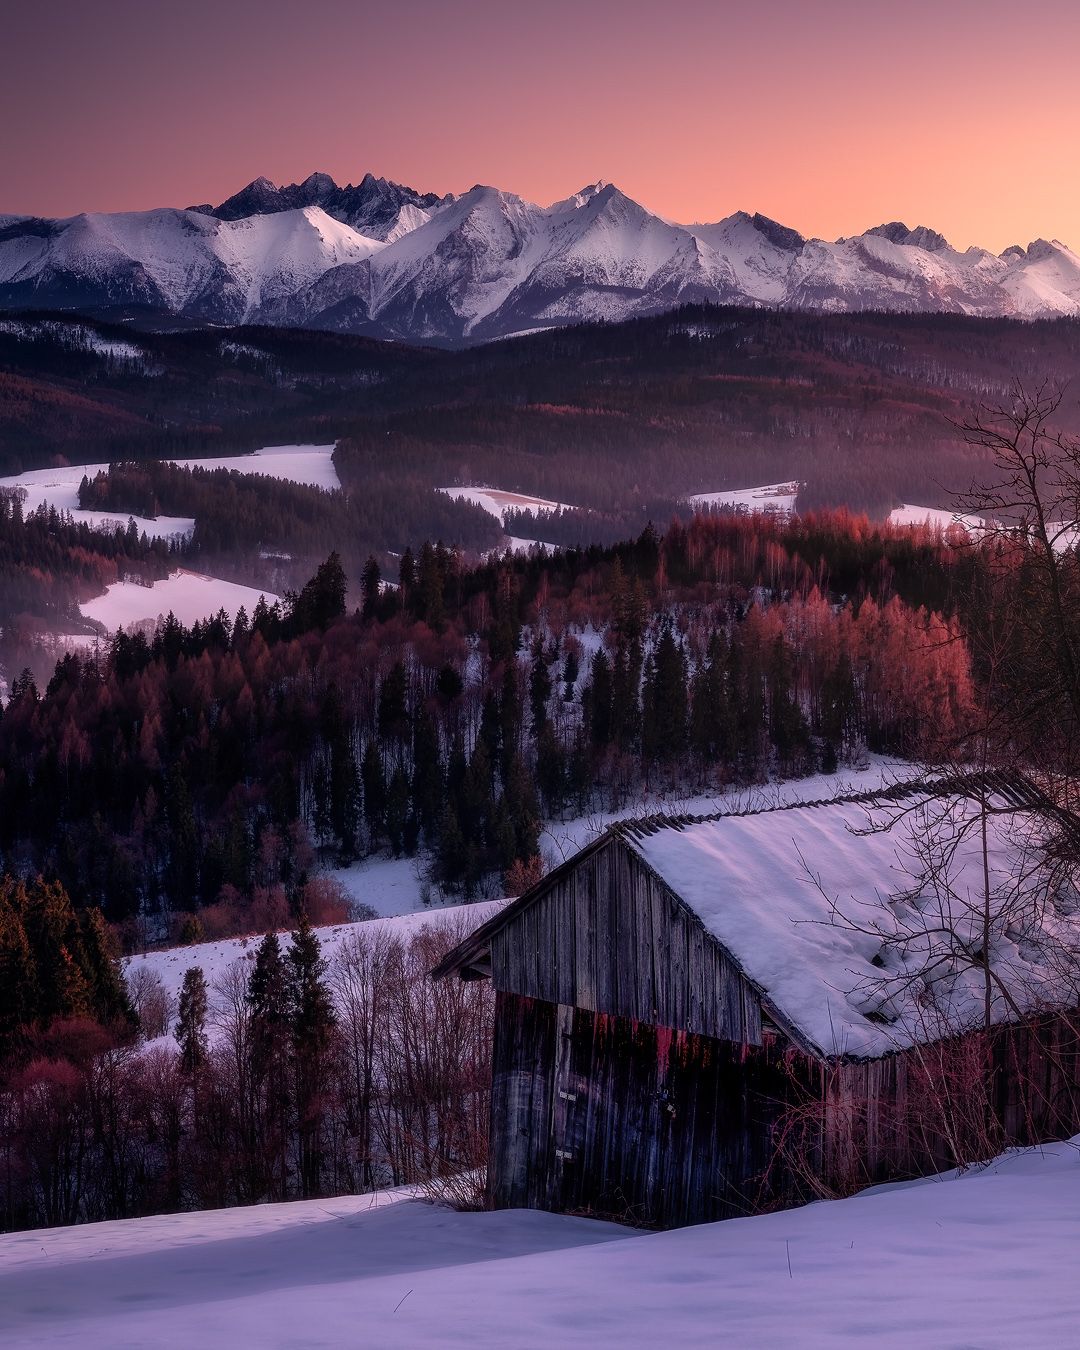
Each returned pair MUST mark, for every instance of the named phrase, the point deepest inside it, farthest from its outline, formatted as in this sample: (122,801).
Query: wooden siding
(1017,1085)
(611,1116)
(622,1118)
(610,937)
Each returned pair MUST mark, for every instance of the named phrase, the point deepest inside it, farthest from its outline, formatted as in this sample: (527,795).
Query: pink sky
(830,117)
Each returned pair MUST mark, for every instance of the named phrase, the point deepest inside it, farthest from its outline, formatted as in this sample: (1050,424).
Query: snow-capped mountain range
(384,260)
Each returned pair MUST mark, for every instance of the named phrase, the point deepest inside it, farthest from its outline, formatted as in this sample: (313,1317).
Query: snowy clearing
(191,596)
(986,1259)
(214,958)
(935,518)
(308,465)
(519,546)
(59,488)
(775,498)
(496,502)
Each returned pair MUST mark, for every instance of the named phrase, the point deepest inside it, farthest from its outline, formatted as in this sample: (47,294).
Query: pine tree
(312,1023)
(322,599)
(101,966)
(370,583)
(271,1039)
(428,782)
(374,778)
(539,687)
(191,1013)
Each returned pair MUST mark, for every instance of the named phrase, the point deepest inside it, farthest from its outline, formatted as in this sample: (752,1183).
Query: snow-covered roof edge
(1012,791)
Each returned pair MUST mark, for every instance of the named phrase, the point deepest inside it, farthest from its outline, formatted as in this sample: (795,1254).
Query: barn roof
(860,920)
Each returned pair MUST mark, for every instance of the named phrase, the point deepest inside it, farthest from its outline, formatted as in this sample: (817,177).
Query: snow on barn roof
(861,919)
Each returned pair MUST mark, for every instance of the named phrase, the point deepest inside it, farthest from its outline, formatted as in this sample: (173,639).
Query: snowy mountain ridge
(385,260)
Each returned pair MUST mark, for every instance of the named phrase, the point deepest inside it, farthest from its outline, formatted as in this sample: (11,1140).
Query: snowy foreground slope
(988,1259)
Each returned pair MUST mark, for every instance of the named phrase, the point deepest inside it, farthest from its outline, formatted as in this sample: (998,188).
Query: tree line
(287,1074)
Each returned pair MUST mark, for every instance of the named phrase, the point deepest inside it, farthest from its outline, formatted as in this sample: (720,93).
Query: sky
(830,116)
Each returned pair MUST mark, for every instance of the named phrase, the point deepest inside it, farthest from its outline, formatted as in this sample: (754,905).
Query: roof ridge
(1011,784)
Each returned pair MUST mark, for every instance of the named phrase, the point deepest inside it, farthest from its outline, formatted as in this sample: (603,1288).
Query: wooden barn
(698,1017)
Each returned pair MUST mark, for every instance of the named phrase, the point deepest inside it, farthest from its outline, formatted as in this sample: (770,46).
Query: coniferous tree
(428,783)
(312,1021)
(370,587)
(18,973)
(190,1032)
(271,1039)
(374,778)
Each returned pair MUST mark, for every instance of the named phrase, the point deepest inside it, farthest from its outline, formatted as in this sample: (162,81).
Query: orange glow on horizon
(830,118)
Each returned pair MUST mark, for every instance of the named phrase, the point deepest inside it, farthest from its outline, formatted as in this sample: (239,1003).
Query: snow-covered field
(312,465)
(987,1259)
(522,545)
(935,518)
(214,958)
(776,498)
(496,502)
(191,596)
(59,488)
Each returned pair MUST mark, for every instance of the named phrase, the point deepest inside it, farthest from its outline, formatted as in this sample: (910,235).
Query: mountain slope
(178,262)
(384,260)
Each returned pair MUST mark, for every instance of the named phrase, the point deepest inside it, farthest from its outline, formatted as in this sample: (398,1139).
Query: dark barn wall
(927,1109)
(617,1117)
(610,937)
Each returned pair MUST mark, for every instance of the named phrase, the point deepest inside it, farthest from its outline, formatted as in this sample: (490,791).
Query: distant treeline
(237,513)
(610,417)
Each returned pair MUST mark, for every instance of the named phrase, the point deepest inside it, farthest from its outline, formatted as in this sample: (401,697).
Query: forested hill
(217,766)
(857,407)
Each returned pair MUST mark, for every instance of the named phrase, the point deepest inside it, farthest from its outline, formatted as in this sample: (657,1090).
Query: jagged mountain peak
(920,237)
(319,182)
(781,236)
(385,259)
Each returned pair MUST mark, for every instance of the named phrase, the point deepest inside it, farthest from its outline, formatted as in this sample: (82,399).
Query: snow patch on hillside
(214,958)
(935,518)
(771,498)
(497,502)
(308,465)
(190,596)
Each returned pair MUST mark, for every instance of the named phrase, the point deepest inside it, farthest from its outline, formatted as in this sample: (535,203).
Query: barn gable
(609,936)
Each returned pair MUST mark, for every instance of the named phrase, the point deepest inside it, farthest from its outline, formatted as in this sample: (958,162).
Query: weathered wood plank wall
(612,1116)
(610,937)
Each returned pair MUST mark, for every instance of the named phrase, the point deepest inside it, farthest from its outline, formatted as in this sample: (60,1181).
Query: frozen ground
(934,517)
(191,596)
(778,498)
(214,958)
(59,488)
(496,502)
(987,1260)
(312,465)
